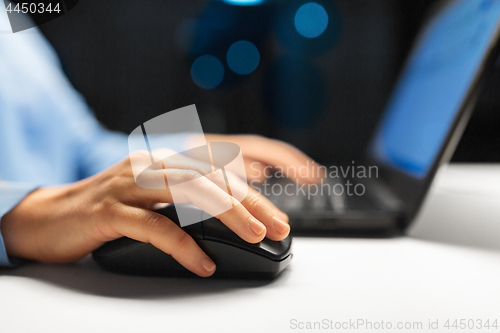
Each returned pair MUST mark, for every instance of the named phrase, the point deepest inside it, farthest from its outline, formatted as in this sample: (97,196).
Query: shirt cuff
(11,193)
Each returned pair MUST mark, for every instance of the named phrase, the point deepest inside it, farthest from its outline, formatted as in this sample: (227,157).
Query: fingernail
(208,264)
(256,227)
(279,225)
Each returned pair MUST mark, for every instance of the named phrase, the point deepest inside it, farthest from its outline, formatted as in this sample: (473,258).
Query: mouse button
(233,262)
(277,249)
(215,230)
(170,212)
(194,230)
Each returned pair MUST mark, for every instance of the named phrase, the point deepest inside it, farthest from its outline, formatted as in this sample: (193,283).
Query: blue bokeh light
(207,72)
(243,57)
(244,2)
(311,20)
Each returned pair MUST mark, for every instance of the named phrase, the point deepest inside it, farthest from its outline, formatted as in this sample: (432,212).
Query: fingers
(291,161)
(280,155)
(217,202)
(253,209)
(255,170)
(244,224)
(252,219)
(187,186)
(150,227)
(276,222)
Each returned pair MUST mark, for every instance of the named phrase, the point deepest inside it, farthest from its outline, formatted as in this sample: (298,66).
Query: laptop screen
(434,84)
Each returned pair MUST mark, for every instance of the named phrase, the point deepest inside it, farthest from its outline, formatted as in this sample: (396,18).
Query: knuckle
(161,153)
(217,178)
(104,206)
(140,154)
(181,241)
(118,184)
(153,223)
(202,167)
(190,175)
(231,202)
(228,202)
(137,160)
(254,202)
(116,180)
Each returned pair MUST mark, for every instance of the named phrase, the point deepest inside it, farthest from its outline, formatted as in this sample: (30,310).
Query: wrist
(33,228)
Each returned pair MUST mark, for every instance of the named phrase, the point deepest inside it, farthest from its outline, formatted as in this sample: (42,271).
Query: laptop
(422,124)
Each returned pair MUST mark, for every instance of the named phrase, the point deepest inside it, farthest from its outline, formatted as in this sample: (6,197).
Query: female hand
(64,223)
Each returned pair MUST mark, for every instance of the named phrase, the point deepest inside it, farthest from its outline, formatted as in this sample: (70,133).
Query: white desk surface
(448,268)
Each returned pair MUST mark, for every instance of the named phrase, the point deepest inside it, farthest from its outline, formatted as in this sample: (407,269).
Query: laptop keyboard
(301,198)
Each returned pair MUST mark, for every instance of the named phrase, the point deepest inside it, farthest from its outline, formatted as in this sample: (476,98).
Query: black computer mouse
(234,257)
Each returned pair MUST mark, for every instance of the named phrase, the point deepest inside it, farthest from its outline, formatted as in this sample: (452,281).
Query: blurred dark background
(131,59)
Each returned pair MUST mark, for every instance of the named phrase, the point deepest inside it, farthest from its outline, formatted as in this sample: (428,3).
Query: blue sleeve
(10,195)
(104,148)
(48,134)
